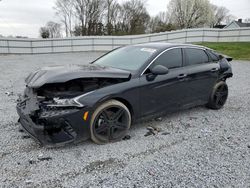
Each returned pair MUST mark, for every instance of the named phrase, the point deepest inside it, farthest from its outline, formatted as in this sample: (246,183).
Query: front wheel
(110,122)
(219,96)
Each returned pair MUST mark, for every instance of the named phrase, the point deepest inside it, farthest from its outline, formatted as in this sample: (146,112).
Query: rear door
(202,74)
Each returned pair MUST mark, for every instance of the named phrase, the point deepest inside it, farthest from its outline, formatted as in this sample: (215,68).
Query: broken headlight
(65,103)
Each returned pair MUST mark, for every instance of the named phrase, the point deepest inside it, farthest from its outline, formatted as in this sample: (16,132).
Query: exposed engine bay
(76,87)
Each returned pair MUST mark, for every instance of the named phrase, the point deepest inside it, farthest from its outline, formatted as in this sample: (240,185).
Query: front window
(127,58)
(170,59)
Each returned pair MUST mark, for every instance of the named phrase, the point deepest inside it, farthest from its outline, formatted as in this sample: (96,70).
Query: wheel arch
(120,99)
(127,104)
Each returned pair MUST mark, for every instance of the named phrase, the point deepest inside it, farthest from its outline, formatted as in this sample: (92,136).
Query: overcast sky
(25,17)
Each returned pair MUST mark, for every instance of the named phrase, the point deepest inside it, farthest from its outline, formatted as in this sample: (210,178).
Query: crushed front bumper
(57,127)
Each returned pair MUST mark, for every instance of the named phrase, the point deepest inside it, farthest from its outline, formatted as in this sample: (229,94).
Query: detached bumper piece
(52,128)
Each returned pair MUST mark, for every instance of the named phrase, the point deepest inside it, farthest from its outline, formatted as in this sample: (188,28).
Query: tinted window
(170,59)
(213,56)
(128,58)
(196,56)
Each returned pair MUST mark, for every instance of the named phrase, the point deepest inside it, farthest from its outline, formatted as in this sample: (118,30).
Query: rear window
(196,56)
(213,55)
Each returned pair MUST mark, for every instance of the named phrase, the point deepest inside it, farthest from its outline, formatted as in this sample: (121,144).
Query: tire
(219,96)
(110,122)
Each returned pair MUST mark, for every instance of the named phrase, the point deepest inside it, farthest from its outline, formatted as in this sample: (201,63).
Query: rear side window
(196,56)
(170,59)
(213,56)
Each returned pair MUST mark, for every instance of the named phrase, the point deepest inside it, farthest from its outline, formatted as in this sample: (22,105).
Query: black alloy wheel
(110,122)
(219,96)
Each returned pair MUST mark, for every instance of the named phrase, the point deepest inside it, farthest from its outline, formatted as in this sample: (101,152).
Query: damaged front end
(49,121)
(52,114)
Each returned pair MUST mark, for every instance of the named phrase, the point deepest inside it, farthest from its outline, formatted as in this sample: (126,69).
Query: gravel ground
(194,148)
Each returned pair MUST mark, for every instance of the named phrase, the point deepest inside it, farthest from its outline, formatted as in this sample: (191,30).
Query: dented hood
(61,74)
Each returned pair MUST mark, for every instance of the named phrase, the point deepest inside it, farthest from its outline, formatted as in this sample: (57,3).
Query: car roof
(164,45)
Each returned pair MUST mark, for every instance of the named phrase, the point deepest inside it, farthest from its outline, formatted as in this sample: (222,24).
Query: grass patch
(237,50)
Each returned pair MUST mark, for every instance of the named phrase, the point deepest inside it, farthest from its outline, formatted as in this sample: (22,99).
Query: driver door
(164,93)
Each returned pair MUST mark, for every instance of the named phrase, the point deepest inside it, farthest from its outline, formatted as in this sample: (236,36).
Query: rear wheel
(219,96)
(110,122)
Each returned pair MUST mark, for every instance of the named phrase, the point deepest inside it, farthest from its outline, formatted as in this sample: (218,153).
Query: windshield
(128,58)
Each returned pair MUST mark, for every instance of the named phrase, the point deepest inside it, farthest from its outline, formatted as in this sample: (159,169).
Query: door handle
(181,76)
(214,69)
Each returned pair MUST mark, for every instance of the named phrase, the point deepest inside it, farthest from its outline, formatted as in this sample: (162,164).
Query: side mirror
(159,70)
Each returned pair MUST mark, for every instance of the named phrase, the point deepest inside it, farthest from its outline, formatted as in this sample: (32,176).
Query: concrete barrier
(106,43)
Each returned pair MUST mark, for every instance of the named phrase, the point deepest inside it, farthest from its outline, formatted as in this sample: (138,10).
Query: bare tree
(80,7)
(90,15)
(230,18)
(133,17)
(95,12)
(108,17)
(44,32)
(51,30)
(65,10)
(96,17)
(114,16)
(190,13)
(112,11)
(220,15)
(160,23)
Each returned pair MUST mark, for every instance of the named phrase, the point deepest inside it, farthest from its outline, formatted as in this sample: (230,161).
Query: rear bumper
(56,129)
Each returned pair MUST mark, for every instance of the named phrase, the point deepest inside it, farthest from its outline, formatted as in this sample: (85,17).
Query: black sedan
(65,104)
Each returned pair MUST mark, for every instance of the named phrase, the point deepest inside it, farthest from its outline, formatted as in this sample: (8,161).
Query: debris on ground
(152,130)
(21,130)
(158,119)
(31,161)
(166,133)
(45,159)
(39,159)
(9,93)
(25,137)
(28,181)
(127,137)
(205,120)
(40,155)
